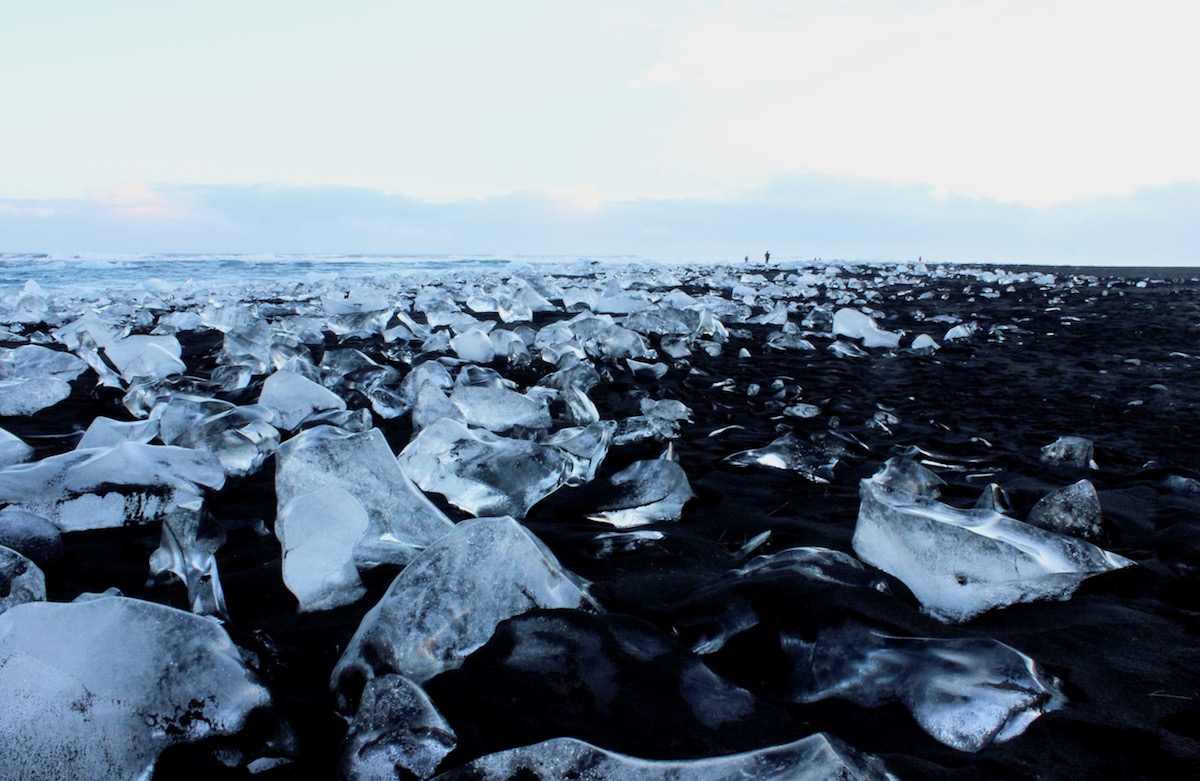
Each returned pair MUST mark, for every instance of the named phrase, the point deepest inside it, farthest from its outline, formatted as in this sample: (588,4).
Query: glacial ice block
(960,563)
(99,688)
(401,519)
(27,395)
(30,534)
(102,488)
(482,473)
(294,398)
(499,410)
(397,728)
(21,580)
(965,692)
(857,325)
(319,532)
(450,599)
(815,758)
(13,449)
(649,492)
(1073,510)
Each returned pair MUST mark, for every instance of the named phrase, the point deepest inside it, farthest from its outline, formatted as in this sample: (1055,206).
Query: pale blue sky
(140,126)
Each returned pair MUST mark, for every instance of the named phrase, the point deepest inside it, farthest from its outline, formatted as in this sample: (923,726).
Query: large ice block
(99,688)
(959,563)
(450,599)
(27,395)
(481,472)
(294,398)
(815,758)
(401,519)
(499,409)
(397,730)
(965,692)
(101,488)
(319,532)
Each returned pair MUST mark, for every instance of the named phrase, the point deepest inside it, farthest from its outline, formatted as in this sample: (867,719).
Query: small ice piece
(906,476)
(88,328)
(1069,451)
(27,395)
(397,728)
(646,371)
(474,346)
(449,600)
(499,410)
(965,692)
(649,492)
(106,432)
(30,534)
(802,410)
(103,488)
(99,688)
(189,544)
(294,399)
(994,498)
(924,344)
(856,325)
(483,473)
(782,340)
(789,452)
(814,758)
(1073,510)
(319,532)
(13,449)
(585,448)
(239,437)
(609,544)
(402,520)
(961,331)
(511,347)
(669,410)
(960,563)
(580,410)
(20,580)
(843,349)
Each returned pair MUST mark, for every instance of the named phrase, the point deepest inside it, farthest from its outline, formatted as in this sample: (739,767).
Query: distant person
(747,258)
(766,257)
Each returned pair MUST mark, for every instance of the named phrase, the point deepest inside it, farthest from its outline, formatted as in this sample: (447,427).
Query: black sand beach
(1107,357)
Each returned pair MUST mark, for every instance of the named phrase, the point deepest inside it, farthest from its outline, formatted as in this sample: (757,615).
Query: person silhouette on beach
(766,257)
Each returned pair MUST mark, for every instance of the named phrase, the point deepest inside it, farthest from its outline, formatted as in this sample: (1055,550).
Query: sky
(993,130)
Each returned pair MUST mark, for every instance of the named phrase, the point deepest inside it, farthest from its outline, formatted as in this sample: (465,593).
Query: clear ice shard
(188,547)
(30,534)
(102,488)
(1073,510)
(960,563)
(106,432)
(1069,451)
(648,492)
(856,325)
(36,362)
(790,452)
(499,410)
(401,519)
(965,692)
(474,346)
(483,473)
(13,449)
(449,600)
(99,688)
(146,358)
(26,395)
(815,758)
(319,532)
(397,728)
(294,399)
(21,580)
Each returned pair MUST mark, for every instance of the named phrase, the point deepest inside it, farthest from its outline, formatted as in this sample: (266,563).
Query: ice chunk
(994,498)
(1072,510)
(1069,451)
(36,362)
(474,346)
(450,599)
(239,437)
(190,541)
(481,472)
(585,448)
(13,449)
(790,452)
(580,410)
(499,409)
(106,432)
(401,519)
(856,325)
(959,563)
(30,534)
(99,688)
(815,758)
(143,357)
(965,692)
(319,532)
(962,331)
(649,492)
(397,728)
(20,580)
(844,349)
(25,396)
(128,484)
(925,344)
(294,399)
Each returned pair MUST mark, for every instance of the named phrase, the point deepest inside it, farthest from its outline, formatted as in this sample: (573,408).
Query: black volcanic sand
(1069,361)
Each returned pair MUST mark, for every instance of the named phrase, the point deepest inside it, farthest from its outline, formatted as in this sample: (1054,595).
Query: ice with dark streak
(817,757)
(647,492)
(30,534)
(792,453)
(401,520)
(99,688)
(962,562)
(450,599)
(965,692)
(101,488)
(21,580)
(396,731)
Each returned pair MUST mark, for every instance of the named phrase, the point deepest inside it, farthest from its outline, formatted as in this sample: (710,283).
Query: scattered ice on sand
(960,563)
